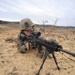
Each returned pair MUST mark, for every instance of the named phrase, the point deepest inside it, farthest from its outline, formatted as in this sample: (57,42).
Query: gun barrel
(65,51)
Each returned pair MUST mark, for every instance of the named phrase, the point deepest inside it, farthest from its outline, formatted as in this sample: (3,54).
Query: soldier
(22,43)
(25,26)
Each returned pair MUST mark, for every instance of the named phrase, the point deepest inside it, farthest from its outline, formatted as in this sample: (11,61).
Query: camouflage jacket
(22,46)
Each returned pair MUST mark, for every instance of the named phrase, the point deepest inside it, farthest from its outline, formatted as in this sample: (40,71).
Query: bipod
(55,61)
(44,59)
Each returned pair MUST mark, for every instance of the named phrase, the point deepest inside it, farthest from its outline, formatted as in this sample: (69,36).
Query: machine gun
(50,47)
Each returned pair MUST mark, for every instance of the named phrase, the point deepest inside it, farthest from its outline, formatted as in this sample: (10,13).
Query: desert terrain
(14,63)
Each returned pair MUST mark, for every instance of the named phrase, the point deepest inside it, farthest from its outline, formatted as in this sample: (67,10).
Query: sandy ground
(14,63)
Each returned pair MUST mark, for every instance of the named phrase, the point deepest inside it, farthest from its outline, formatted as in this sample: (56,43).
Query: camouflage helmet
(23,21)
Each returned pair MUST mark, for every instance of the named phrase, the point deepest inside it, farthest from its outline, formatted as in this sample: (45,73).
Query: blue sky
(39,10)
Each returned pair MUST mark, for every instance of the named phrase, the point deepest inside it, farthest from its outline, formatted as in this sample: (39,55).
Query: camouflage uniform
(22,45)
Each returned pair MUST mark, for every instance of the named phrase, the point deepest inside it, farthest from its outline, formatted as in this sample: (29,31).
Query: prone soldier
(23,44)
(25,26)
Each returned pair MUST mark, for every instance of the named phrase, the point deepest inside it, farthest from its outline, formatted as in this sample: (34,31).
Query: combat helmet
(25,21)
